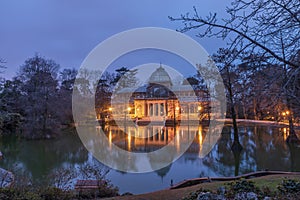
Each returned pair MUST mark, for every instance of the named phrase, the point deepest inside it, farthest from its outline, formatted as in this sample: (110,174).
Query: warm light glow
(200,138)
(287,112)
(110,108)
(110,138)
(129,109)
(199,108)
(129,141)
(177,139)
(177,108)
(284,134)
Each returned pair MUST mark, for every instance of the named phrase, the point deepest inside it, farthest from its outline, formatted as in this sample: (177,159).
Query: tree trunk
(237,158)
(254,109)
(244,112)
(292,138)
(236,146)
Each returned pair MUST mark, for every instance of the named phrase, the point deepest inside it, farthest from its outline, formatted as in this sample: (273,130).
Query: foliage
(67,78)
(194,195)
(55,194)
(39,97)
(12,194)
(9,122)
(107,190)
(36,102)
(262,31)
(289,186)
(63,178)
(125,78)
(266,191)
(51,193)
(286,189)
(240,186)
(7,193)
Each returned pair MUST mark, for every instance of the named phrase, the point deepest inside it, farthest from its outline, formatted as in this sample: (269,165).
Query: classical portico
(158,100)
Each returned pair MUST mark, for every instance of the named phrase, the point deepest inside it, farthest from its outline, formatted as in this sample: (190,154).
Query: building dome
(160,76)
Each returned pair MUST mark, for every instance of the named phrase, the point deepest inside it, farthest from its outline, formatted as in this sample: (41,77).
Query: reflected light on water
(110,138)
(177,140)
(257,154)
(285,134)
(200,139)
(145,139)
(129,141)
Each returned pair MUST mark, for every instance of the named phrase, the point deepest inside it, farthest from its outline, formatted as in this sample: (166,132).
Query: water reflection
(37,159)
(152,138)
(264,148)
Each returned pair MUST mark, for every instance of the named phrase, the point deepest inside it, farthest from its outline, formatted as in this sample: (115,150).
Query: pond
(264,147)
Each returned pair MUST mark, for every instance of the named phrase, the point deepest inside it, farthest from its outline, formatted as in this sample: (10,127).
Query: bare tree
(260,25)
(40,97)
(67,79)
(225,61)
(270,28)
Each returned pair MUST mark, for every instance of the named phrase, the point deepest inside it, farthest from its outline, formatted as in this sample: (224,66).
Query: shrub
(7,193)
(10,122)
(108,190)
(240,186)
(52,193)
(16,194)
(28,195)
(194,195)
(289,186)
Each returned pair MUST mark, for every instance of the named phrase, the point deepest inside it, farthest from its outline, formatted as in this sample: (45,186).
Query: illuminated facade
(160,100)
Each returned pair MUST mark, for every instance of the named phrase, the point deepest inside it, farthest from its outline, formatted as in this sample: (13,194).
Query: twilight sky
(66,31)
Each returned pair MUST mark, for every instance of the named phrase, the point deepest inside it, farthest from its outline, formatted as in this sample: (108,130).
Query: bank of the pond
(271,181)
(263,122)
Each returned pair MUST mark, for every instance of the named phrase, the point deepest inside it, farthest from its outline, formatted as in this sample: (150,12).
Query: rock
(48,136)
(246,195)
(6,178)
(267,198)
(210,196)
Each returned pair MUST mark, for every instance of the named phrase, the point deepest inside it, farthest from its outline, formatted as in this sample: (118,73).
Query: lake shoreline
(179,193)
(276,123)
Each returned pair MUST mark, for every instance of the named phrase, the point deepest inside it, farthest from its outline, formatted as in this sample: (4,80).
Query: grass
(270,181)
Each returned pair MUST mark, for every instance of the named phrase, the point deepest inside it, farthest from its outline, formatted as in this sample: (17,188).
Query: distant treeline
(37,102)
